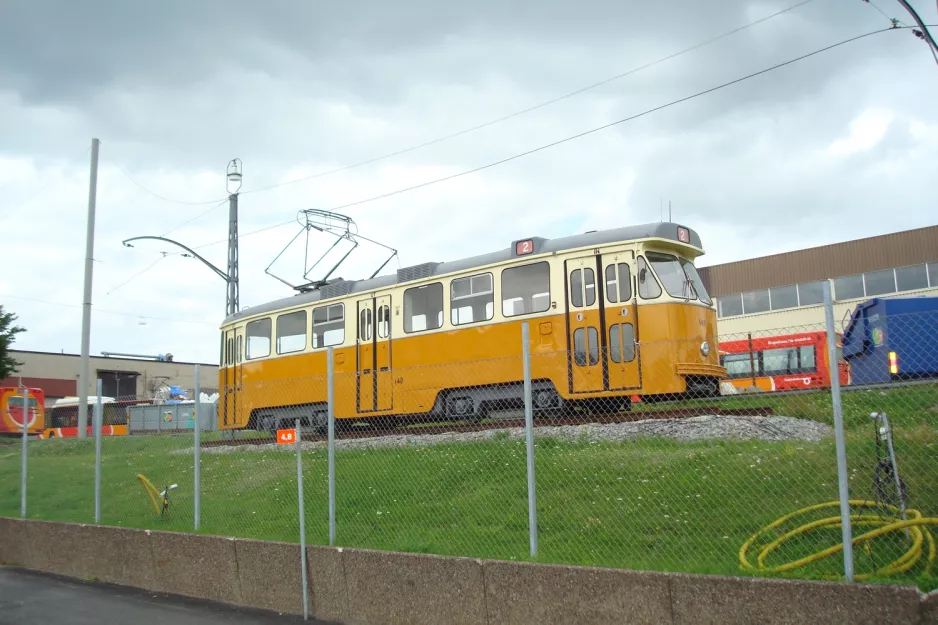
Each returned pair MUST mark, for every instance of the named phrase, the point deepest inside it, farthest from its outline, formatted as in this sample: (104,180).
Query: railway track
(353,432)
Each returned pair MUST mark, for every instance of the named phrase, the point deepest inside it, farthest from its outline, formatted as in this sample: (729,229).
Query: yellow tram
(612,314)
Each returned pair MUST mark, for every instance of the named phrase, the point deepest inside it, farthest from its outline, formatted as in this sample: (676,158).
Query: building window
(730,305)
(933,275)
(848,287)
(756,302)
(328,325)
(526,289)
(911,278)
(291,332)
(784,297)
(880,282)
(423,307)
(811,293)
(258,333)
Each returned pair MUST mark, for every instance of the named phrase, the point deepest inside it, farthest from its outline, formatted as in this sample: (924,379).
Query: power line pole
(86,299)
(234,180)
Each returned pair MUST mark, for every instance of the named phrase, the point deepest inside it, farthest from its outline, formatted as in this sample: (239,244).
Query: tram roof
(340,287)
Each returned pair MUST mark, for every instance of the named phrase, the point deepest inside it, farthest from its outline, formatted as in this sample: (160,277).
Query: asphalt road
(29,598)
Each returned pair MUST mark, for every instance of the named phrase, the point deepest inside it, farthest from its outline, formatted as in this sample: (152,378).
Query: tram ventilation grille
(336,289)
(424,270)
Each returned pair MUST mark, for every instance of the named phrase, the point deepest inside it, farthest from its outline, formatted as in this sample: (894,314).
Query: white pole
(330,389)
(299,486)
(86,299)
(529,436)
(98,421)
(197,487)
(25,440)
(844,493)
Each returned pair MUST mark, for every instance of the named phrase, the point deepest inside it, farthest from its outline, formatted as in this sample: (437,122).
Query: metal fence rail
(815,457)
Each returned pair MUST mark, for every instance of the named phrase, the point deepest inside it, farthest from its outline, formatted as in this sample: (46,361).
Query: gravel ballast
(707,427)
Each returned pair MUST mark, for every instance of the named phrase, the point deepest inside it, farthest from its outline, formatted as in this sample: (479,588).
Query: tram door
(375,383)
(620,321)
(232,352)
(583,322)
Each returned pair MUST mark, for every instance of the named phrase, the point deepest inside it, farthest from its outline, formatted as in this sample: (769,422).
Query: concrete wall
(373,587)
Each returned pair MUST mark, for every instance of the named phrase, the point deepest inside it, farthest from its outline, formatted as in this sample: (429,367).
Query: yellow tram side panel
(485,355)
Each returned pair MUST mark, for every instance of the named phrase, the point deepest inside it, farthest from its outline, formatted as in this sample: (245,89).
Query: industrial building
(781,293)
(57,375)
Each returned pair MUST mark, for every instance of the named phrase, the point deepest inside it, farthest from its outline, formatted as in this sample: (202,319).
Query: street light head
(234,175)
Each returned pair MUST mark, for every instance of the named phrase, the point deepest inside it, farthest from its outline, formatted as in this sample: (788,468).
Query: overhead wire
(139,273)
(161,197)
(535,107)
(109,312)
(576,136)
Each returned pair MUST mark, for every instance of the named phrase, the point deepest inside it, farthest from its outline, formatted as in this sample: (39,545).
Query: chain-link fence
(619,452)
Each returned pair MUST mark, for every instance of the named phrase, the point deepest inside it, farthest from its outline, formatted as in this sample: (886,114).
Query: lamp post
(234,180)
(233,185)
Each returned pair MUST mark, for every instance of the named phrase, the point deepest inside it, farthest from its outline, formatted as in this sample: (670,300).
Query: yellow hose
(915,523)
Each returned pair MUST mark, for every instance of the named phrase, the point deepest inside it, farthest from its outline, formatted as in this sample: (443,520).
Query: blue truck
(892,339)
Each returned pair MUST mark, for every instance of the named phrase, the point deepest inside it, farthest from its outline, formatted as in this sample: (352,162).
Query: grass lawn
(655,504)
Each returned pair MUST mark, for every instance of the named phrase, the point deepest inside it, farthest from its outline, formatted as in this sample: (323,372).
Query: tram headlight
(705,349)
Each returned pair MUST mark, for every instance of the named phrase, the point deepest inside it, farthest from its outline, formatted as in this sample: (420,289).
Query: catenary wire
(109,312)
(572,137)
(582,134)
(139,273)
(536,106)
(160,197)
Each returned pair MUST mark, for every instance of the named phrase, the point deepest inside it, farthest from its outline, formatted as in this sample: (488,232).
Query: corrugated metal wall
(911,247)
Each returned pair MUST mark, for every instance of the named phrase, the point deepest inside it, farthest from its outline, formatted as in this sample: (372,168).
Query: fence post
(330,390)
(98,420)
(299,485)
(529,436)
(23,453)
(843,490)
(197,486)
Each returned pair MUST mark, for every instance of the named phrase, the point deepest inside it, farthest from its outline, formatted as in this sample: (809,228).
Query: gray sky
(841,145)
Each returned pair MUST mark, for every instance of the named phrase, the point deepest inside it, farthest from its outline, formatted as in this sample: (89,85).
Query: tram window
(628,341)
(648,287)
(291,332)
(423,308)
(577,278)
(576,288)
(384,322)
(526,289)
(579,349)
(618,283)
(230,355)
(238,349)
(258,338)
(365,329)
(328,325)
(472,299)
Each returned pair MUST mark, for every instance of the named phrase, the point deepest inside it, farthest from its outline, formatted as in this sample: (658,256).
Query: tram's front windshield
(679,277)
